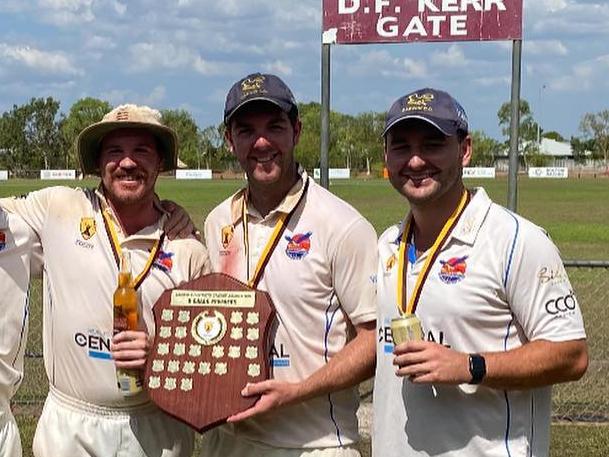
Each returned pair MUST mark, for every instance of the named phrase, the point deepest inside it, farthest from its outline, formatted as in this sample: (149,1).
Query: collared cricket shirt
(80,277)
(321,278)
(498,283)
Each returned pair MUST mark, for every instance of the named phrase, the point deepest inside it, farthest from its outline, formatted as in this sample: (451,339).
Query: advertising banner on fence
(548,172)
(57,174)
(392,21)
(3,175)
(334,173)
(193,174)
(478,172)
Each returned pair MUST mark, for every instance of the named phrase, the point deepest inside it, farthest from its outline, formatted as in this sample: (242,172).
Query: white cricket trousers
(72,428)
(10,443)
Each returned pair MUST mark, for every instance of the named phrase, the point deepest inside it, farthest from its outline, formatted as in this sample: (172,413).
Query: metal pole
(514,127)
(325,115)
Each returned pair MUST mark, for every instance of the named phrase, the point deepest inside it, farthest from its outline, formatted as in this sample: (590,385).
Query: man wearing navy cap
(319,271)
(497,330)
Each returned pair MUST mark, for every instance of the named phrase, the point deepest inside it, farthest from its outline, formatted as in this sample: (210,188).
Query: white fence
(548,172)
(193,174)
(3,175)
(334,173)
(57,174)
(479,172)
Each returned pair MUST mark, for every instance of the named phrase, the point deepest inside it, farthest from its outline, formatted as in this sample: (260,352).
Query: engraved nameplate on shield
(212,338)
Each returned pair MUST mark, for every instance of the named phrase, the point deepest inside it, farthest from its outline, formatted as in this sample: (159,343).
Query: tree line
(36,135)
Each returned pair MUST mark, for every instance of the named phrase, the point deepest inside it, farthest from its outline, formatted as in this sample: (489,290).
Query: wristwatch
(477,368)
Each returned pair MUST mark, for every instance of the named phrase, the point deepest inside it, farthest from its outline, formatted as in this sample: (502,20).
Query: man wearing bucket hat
(19,256)
(500,322)
(319,271)
(83,232)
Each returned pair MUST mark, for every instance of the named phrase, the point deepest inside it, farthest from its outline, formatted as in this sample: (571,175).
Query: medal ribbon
(117,251)
(406,308)
(271,244)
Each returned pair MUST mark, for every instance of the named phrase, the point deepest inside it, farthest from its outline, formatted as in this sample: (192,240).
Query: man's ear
(297,131)
(466,150)
(229,139)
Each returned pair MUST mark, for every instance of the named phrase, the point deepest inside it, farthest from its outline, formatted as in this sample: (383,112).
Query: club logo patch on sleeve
(2,240)
(453,270)
(298,246)
(164,261)
(87,227)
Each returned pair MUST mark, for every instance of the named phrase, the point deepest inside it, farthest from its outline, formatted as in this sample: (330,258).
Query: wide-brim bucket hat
(126,116)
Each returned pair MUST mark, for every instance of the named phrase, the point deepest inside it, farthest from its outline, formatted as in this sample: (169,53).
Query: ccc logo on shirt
(561,305)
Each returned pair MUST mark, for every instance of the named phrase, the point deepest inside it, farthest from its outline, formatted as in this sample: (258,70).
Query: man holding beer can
(476,341)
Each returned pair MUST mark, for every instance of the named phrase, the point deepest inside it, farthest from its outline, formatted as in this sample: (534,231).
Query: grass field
(575,212)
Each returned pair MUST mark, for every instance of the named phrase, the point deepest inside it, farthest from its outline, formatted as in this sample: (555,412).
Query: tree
(188,135)
(83,113)
(581,149)
(484,148)
(596,126)
(527,141)
(29,135)
(552,135)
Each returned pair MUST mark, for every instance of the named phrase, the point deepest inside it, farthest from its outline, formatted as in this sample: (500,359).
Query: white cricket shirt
(498,283)
(321,278)
(79,281)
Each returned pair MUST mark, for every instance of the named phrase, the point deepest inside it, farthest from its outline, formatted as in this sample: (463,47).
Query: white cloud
(147,56)
(383,63)
(452,57)
(66,12)
(103,43)
(42,61)
(584,75)
(278,67)
(156,96)
(545,47)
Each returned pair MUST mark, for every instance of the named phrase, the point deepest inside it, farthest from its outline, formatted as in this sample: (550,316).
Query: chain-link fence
(586,400)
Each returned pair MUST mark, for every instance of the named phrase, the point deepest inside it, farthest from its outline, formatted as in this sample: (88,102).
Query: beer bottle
(125,308)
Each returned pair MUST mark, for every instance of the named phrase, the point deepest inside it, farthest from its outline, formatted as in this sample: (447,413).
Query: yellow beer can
(406,328)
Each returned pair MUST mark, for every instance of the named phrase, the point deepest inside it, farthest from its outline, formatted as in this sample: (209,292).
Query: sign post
(399,21)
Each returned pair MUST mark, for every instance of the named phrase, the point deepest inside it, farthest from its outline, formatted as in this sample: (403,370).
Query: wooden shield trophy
(212,338)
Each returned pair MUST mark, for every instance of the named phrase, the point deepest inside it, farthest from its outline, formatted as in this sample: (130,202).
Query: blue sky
(187,53)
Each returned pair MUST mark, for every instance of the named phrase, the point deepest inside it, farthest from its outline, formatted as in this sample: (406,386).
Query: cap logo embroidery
(418,102)
(87,227)
(122,115)
(252,86)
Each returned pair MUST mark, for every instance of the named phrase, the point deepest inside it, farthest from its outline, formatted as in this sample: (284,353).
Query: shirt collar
(469,223)
(285,206)
(150,232)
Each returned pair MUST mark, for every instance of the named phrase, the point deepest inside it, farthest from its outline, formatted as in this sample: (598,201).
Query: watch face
(477,368)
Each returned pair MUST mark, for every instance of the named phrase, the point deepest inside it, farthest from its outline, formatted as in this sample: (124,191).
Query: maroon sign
(391,21)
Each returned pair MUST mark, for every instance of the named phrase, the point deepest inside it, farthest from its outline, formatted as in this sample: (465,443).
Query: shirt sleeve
(354,264)
(33,207)
(538,289)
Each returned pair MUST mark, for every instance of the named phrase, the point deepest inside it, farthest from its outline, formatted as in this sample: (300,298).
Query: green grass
(575,212)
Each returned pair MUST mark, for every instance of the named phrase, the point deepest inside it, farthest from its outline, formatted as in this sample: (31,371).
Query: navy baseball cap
(256,87)
(436,107)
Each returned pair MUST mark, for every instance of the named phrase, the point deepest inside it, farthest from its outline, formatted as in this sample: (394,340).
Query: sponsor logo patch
(390,263)
(2,240)
(453,270)
(562,305)
(298,246)
(87,227)
(227,235)
(164,261)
